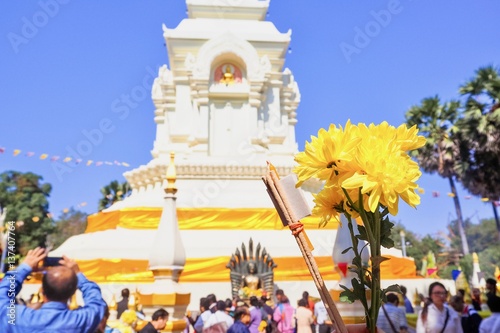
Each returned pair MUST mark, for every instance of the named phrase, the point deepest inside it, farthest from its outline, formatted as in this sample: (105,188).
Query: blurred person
(407,303)
(203,317)
(219,317)
(241,320)
(284,316)
(255,315)
(491,294)
(470,318)
(59,283)
(189,315)
(229,307)
(476,299)
(492,323)
(122,305)
(279,295)
(322,319)
(310,303)
(212,302)
(436,317)
(267,313)
(158,322)
(304,317)
(392,319)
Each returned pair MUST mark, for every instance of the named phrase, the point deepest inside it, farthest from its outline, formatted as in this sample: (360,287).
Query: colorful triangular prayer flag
(343,267)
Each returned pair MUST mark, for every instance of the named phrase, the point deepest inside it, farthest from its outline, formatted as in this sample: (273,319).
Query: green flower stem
(361,275)
(366,221)
(375,282)
(372,227)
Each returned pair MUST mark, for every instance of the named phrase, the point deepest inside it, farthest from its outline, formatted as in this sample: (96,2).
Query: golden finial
(73,305)
(131,302)
(112,304)
(137,297)
(475,258)
(171,175)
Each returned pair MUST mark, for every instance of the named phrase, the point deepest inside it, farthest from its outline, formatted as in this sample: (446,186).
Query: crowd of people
(253,315)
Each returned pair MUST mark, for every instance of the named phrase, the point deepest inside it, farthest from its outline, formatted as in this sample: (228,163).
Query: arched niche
(228,69)
(230,48)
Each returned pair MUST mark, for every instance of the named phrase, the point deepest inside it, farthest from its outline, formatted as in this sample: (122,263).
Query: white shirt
(490,324)
(320,313)
(218,317)
(435,321)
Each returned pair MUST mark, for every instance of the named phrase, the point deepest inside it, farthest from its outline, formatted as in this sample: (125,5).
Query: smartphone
(51,261)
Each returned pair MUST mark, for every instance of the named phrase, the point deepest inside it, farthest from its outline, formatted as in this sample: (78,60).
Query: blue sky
(64,63)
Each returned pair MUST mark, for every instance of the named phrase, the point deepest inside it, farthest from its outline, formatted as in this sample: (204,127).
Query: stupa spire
(167,257)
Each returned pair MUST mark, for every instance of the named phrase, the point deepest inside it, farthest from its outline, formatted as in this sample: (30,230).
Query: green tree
(24,195)
(112,193)
(417,246)
(73,222)
(480,129)
(480,236)
(441,152)
(490,259)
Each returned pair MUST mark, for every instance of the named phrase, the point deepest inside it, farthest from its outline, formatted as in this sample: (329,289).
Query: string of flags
(36,219)
(436,194)
(66,159)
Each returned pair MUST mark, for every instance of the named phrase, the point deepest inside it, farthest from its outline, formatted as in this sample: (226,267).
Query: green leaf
(362,233)
(346,250)
(347,296)
(385,233)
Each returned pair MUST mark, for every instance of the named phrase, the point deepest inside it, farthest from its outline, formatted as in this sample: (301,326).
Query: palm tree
(481,133)
(440,154)
(112,193)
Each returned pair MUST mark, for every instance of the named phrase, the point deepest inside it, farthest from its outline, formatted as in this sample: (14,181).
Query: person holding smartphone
(59,283)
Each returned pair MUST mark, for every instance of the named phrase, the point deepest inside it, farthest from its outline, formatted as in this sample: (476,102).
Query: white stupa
(225,105)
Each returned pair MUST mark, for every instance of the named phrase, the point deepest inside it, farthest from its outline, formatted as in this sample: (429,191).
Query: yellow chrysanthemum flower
(387,172)
(330,152)
(408,138)
(328,203)
(371,157)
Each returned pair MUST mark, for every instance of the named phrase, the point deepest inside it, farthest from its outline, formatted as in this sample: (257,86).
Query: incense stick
(284,208)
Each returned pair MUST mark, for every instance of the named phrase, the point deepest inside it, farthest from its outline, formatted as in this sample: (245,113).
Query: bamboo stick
(284,208)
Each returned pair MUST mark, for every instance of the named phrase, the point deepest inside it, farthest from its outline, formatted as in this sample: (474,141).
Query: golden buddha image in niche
(227,74)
